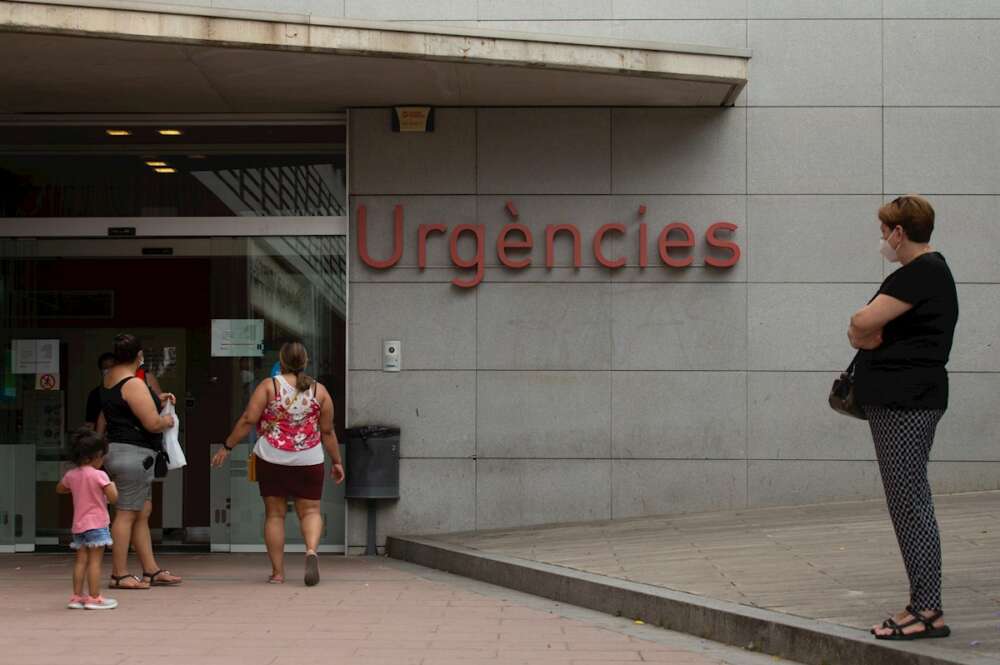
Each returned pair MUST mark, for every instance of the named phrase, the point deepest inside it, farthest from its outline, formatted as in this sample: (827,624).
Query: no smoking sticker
(46,381)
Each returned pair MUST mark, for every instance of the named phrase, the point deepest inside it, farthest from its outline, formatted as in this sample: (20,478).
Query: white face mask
(886,250)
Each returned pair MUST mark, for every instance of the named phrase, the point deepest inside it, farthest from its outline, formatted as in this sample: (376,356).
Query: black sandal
(116,582)
(930,631)
(153,581)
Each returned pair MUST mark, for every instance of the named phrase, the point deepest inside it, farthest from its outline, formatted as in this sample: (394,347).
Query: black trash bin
(372,469)
(373,462)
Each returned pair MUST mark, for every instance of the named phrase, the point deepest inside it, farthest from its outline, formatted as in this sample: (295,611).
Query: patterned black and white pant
(903,440)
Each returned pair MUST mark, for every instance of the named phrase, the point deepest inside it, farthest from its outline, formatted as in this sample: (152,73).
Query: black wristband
(228,448)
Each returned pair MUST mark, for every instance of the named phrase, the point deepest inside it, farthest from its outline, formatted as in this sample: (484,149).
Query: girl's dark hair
(293,358)
(127,348)
(104,357)
(86,445)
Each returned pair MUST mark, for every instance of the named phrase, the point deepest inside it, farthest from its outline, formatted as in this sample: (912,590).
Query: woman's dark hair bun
(127,348)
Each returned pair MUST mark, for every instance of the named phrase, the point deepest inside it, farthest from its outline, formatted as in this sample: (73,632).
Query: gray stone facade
(565,395)
(576,394)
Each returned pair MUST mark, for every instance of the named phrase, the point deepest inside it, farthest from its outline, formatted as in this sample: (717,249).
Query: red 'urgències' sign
(674,243)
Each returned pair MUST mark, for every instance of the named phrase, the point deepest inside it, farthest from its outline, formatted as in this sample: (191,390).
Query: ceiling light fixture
(169,132)
(118,132)
(156,163)
(165,169)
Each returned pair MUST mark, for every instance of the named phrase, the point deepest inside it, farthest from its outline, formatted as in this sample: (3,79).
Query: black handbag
(843,396)
(160,464)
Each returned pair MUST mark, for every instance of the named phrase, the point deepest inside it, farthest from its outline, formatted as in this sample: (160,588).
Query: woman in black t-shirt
(905,334)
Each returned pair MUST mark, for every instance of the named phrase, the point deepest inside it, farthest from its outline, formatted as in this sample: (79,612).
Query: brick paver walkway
(365,611)
(834,562)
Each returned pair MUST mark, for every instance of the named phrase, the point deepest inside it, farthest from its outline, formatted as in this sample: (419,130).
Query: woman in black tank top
(130,417)
(123,426)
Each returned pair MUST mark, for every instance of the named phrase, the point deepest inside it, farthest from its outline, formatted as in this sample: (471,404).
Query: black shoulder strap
(274,384)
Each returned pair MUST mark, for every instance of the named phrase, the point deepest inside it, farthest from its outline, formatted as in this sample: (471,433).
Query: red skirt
(300,482)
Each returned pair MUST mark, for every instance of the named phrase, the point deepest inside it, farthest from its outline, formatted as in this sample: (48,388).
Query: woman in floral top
(293,415)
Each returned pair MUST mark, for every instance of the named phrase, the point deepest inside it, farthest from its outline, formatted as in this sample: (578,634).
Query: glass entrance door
(212,312)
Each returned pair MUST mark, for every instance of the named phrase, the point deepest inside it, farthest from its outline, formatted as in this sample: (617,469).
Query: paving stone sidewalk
(365,611)
(834,562)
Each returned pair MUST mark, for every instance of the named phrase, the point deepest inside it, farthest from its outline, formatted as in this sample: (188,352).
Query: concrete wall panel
(679,327)
(399,10)
(803,327)
(435,410)
(975,348)
(786,482)
(544,11)
(724,33)
(967,232)
(544,151)
(660,487)
(954,477)
(938,9)
(544,327)
(679,151)
(679,415)
(427,506)
(544,414)
(809,9)
(790,419)
(968,430)
(814,239)
(524,492)
(323,8)
(436,324)
(922,58)
(792,63)
(942,150)
(815,151)
(438,162)
(653,9)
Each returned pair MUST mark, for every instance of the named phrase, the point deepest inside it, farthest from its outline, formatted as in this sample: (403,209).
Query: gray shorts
(124,464)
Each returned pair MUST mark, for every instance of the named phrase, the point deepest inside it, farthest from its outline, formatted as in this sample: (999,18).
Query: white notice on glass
(36,356)
(239,338)
(47,356)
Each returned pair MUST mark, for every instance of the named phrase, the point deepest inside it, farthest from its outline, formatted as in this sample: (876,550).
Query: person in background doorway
(104,363)
(294,415)
(905,334)
(130,415)
(91,490)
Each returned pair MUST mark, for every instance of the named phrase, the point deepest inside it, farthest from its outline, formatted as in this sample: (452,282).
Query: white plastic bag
(170,443)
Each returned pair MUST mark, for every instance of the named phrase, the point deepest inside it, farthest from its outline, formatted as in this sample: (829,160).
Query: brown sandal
(116,582)
(155,582)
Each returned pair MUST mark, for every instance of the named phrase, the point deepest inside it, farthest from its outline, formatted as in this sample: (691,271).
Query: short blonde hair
(912,212)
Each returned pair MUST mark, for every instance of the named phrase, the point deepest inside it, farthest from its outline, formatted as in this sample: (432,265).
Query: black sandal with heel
(930,631)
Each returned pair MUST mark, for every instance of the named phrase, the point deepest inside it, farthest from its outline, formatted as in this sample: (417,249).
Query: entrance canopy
(81,57)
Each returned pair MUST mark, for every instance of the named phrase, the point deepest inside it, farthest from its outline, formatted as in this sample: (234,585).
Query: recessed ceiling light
(156,163)
(118,132)
(196,157)
(169,132)
(165,169)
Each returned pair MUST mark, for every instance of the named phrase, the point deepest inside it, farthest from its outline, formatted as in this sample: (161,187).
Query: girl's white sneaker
(100,603)
(76,602)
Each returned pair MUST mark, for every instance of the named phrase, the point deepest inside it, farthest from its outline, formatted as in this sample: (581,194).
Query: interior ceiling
(42,73)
